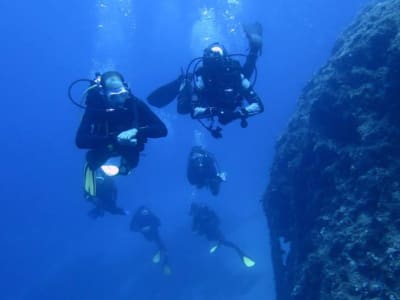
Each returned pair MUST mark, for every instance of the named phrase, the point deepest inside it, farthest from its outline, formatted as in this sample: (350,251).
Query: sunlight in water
(116,24)
(217,23)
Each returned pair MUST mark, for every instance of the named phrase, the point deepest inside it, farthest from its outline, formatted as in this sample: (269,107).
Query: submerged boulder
(333,202)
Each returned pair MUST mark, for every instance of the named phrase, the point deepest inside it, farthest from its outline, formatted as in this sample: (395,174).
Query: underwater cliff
(333,202)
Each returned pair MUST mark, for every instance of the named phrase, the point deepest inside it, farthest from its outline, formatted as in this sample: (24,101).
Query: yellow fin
(89,181)
(157,257)
(213,249)
(248,262)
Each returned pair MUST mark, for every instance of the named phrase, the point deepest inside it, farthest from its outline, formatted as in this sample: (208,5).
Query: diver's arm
(199,106)
(150,125)
(215,166)
(201,110)
(154,220)
(255,105)
(250,64)
(254,33)
(85,138)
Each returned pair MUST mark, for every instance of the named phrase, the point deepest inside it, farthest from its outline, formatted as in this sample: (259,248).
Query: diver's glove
(128,137)
(145,229)
(251,109)
(222,176)
(204,112)
(185,86)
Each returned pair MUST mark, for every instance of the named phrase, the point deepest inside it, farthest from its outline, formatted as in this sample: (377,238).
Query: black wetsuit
(216,82)
(148,225)
(105,199)
(101,125)
(206,223)
(165,94)
(202,170)
(222,89)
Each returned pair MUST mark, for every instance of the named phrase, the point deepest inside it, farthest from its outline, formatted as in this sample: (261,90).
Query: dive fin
(165,94)
(254,33)
(214,248)
(248,262)
(89,178)
(157,257)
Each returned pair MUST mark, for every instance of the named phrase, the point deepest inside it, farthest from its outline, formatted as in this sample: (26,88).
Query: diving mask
(115,89)
(117,92)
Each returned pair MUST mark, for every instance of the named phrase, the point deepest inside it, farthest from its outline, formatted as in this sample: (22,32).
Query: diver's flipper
(254,33)
(157,257)
(165,94)
(248,262)
(89,181)
(167,270)
(214,248)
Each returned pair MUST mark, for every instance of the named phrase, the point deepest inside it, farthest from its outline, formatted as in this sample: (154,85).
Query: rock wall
(334,194)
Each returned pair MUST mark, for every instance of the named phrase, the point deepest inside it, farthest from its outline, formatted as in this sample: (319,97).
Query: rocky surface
(334,194)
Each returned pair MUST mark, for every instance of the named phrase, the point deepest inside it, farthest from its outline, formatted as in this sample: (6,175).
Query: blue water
(49,248)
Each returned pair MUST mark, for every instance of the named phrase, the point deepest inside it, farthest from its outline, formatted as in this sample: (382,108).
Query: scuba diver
(206,223)
(115,124)
(216,86)
(147,223)
(105,199)
(203,170)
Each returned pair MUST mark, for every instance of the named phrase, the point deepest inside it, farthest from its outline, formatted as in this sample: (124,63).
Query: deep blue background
(49,248)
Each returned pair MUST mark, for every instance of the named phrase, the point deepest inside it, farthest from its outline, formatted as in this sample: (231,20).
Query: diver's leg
(232,246)
(129,161)
(96,213)
(117,211)
(160,243)
(162,254)
(246,260)
(250,64)
(97,157)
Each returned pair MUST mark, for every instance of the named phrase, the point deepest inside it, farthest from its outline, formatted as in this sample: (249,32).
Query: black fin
(165,94)
(254,33)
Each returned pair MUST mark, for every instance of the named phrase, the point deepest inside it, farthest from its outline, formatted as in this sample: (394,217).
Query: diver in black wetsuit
(147,223)
(206,223)
(218,88)
(106,198)
(115,124)
(203,170)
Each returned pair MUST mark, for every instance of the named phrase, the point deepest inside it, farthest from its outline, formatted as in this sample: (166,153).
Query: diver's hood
(109,74)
